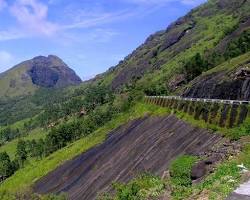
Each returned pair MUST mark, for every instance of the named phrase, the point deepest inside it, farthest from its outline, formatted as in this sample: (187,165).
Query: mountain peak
(41,71)
(51,71)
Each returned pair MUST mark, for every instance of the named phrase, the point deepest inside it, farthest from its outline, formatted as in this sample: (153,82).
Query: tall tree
(6,169)
(21,152)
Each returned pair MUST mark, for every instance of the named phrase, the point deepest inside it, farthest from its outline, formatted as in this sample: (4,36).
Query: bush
(180,170)
(238,46)
(6,168)
(145,186)
(195,66)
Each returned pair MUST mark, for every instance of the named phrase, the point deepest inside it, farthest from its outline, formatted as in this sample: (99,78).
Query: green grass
(36,169)
(22,86)
(180,170)
(244,157)
(10,147)
(15,125)
(216,186)
(145,186)
(226,177)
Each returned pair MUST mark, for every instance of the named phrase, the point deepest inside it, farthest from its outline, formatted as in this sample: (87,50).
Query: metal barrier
(223,101)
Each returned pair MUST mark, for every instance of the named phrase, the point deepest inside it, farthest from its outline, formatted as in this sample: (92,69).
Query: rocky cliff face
(51,71)
(202,30)
(144,58)
(231,82)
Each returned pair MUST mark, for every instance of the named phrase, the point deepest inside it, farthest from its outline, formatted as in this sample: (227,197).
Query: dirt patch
(146,144)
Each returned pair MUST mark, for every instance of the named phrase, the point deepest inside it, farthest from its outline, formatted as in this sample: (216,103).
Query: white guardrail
(224,101)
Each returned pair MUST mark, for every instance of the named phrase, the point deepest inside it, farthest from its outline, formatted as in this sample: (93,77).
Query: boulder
(198,170)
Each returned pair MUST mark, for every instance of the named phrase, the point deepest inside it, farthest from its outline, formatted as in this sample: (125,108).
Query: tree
(21,152)
(195,66)
(6,169)
(97,95)
(39,149)
(30,147)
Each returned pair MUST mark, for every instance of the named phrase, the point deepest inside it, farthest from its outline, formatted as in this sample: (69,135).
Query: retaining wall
(223,113)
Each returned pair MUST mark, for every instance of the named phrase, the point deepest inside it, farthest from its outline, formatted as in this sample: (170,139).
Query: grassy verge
(143,187)
(217,186)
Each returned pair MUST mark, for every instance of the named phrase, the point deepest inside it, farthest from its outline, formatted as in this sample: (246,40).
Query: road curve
(241,193)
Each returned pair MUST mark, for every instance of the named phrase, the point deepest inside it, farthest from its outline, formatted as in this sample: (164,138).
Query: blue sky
(89,35)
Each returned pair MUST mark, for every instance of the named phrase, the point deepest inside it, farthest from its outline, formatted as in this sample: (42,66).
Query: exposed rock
(218,153)
(177,81)
(43,76)
(140,61)
(199,170)
(146,144)
(233,84)
(175,34)
(51,71)
(242,73)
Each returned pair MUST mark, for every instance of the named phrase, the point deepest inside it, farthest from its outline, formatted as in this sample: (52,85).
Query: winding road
(241,193)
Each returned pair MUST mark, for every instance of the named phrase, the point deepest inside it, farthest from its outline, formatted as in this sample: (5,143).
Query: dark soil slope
(146,144)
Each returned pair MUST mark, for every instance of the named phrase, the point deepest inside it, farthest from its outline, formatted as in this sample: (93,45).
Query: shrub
(6,168)
(145,186)
(195,66)
(180,170)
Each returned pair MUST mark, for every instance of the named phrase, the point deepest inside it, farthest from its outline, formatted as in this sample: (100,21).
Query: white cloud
(32,16)
(98,35)
(11,35)
(93,35)
(6,60)
(85,19)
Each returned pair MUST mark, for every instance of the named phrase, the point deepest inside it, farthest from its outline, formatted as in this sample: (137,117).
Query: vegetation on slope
(191,55)
(144,186)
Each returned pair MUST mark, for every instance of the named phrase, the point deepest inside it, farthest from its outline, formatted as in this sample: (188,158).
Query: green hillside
(16,82)
(43,127)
